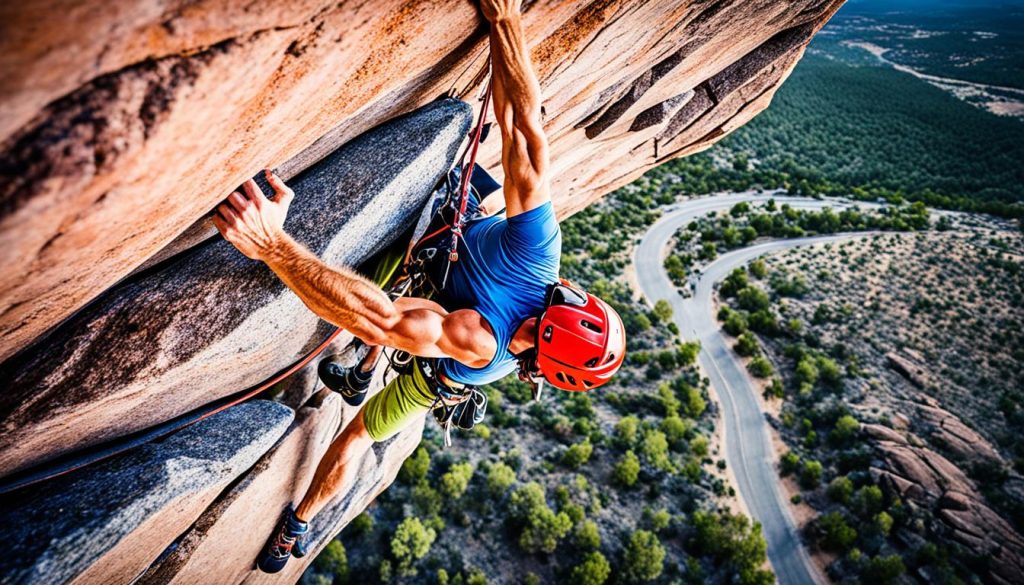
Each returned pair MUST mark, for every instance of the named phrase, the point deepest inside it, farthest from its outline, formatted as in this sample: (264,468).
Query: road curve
(748,444)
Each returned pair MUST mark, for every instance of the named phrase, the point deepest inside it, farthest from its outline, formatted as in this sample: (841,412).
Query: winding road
(748,444)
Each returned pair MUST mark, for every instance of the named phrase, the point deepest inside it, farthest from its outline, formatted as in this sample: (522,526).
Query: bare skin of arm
(254,224)
(517,107)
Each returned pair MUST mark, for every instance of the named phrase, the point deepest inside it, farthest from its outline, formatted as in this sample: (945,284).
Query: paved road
(748,445)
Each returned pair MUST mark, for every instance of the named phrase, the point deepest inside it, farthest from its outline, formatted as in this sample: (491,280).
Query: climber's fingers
(237,203)
(221,225)
(253,193)
(282,193)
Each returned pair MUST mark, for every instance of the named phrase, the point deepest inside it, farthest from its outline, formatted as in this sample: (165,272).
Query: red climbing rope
(467,171)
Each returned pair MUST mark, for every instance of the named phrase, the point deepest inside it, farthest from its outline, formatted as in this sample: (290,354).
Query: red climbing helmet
(581,341)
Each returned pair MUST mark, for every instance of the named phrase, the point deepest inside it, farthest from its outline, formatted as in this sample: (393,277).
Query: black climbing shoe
(288,540)
(352,383)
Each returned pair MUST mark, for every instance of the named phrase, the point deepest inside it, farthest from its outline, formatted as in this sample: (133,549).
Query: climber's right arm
(255,225)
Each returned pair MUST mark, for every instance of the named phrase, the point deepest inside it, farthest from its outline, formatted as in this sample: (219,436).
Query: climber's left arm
(517,107)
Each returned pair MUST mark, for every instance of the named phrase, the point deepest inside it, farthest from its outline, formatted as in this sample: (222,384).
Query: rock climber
(503,306)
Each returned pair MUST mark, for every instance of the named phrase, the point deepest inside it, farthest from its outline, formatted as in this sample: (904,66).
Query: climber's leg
(394,408)
(334,472)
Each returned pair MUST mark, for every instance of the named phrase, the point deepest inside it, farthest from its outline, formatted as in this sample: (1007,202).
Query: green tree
(884,570)
(868,501)
(846,428)
(587,536)
(806,371)
(840,489)
(758,268)
(411,542)
(733,541)
(663,310)
(455,481)
(668,400)
(627,430)
(699,446)
(883,522)
(500,477)
(746,345)
(753,299)
(594,570)
(810,475)
(686,354)
(655,450)
(644,558)
(627,470)
(736,281)
(789,463)
(835,534)
(542,528)
(577,454)
(333,561)
(735,323)
(694,404)
(415,468)
(760,367)
(675,430)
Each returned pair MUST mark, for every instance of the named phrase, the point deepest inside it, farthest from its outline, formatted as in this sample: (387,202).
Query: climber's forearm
(517,106)
(513,71)
(337,295)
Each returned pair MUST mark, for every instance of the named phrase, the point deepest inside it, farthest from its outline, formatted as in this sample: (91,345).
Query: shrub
(694,404)
(626,430)
(868,501)
(753,299)
(655,450)
(627,470)
(455,481)
(699,446)
(594,570)
(500,477)
(836,534)
(746,345)
(415,468)
(411,542)
(644,558)
(333,561)
(760,367)
(577,454)
(789,463)
(845,429)
(758,268)
(668,400)
(675,430)
(587,536)
(810,475)
(686,354)
(541,527)
(840,489)
(732,540)
(735,323)
(663,310)
(884,570)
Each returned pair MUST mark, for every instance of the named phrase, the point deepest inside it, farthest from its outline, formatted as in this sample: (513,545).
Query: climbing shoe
(288,540)
(352,383)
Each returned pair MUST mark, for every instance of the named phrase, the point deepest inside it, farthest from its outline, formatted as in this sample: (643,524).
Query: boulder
(108,523)
(116,142)
(253,506)
(948,431)
(214,322)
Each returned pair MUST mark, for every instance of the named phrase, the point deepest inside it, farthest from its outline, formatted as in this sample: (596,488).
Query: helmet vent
(547,333)
(611,357)
(588,325)
(571,379)
(588,383)
(592,362)
(560,376)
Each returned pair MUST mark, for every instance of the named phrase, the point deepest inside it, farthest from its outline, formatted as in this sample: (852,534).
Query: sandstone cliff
(125,123)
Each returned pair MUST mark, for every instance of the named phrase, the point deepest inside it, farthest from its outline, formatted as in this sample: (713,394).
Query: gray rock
(213,322)
(107,523)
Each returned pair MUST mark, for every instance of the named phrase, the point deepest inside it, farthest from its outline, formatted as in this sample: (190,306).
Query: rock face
(214,322)
(113,143)
(106,524)
(116,144)
(930,480)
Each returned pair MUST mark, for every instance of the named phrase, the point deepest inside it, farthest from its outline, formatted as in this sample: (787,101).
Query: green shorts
(403,400)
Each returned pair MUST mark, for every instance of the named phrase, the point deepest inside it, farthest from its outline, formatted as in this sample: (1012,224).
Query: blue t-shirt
(503,277)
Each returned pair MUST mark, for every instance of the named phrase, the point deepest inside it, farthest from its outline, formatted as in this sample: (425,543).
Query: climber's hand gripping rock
(252,222)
